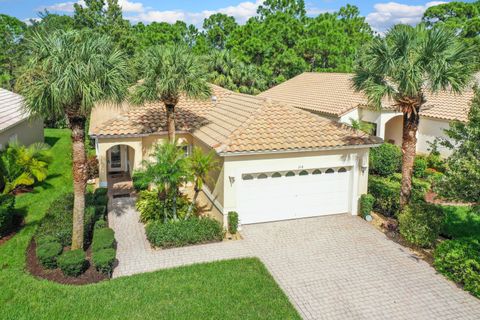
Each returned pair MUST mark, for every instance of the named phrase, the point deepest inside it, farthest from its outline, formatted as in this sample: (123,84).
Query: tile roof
(240,123)
(11,109)
(332,94)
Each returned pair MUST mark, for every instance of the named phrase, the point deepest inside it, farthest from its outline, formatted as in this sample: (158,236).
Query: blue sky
(380,14)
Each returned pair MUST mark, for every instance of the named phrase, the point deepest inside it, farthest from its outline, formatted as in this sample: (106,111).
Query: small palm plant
(23,166)
(67,73)
(200,164)
(402,67)
(167,72)
(168,170)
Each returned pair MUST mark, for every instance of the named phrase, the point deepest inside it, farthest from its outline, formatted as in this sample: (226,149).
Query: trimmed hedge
(366,204)
(420,224)
(104,259)
(7,213)
(100,224)
(386,192)
(385,159)
(232,222)
(139,181)
(47,253)
(72,263)
(184,232)
(103,239)
(459,260)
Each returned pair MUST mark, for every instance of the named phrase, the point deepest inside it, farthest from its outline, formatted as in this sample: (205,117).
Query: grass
(240,288)
(460,222)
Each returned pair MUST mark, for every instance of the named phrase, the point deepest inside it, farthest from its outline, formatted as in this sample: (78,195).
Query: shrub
(386,193)
(100,211)
(459,260)
(103,238)
(72,263)
(100,192)
(419,167)
(183,232)
(104,259)
(366,204)
(435,161)
(7,213)
(100,224)
(139,180)
(47,253)
(420,224)
(151,208)
(89,221)
(101,200)
(385,159)
(45,239)
(232,222)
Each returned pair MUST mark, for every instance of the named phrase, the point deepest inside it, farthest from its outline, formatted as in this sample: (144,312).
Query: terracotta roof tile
(332,94)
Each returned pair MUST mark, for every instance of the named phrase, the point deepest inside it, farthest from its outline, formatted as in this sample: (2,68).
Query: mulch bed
(36,269)
(379,222)
(432,197)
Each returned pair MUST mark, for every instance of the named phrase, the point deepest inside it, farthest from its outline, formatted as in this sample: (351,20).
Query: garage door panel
(270,199)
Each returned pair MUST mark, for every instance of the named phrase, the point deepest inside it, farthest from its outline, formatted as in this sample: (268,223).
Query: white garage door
(271,196)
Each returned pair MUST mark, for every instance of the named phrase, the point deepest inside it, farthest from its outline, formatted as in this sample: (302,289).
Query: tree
(200,164)
(51,22)
(12,31)
(294,8)
(168,72)
(20,165)
(217,28)
(67,73)
(462,178)
(403,66)
(168,170)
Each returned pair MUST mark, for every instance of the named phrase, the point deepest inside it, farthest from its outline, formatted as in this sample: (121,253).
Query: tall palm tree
(402,67)
(200,164)
(168,170)
(67,73)
(166,73)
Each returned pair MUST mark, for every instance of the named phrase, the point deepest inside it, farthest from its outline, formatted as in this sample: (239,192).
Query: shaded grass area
(240,288)
(460,222)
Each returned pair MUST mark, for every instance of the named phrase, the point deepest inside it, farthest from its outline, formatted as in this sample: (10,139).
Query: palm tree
(167,170)
(404,65)
(67,73)
(167,72)
(20,165)
(200,164)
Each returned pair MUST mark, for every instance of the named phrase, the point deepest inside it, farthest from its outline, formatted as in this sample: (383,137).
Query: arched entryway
(393,130)
(119,166)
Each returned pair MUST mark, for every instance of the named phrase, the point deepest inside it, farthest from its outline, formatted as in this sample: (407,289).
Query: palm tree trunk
(171,122)
(77,124)
(194,201)
(409,146)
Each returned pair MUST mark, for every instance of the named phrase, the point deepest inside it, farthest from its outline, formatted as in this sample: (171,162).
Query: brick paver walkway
(334,267)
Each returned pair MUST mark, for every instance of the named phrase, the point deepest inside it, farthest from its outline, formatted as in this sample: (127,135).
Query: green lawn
(461,222)
(230,289)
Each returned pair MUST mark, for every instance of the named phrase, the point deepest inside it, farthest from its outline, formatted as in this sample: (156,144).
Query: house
(331,95)
(277,161)
(15,124)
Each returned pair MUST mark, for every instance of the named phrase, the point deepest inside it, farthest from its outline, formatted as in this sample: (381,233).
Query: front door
(115,159)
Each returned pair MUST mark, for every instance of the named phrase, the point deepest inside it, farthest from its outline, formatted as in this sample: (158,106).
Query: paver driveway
(333,267)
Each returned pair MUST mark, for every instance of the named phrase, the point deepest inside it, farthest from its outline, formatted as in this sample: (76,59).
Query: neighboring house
(277,162)
(15,124)
(331,95)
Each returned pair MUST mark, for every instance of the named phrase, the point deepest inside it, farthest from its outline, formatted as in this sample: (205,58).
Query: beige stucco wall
(27,132)
(234,166)
(428,130)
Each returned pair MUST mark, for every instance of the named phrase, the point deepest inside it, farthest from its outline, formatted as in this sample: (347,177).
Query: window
(342,169)
(262,176)
(303,173)
(186,150)
(247,177)
(290,174)
(276,175)
(330,170)
(317,171)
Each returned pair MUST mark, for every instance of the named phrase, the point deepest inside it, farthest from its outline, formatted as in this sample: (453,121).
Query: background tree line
(278,43)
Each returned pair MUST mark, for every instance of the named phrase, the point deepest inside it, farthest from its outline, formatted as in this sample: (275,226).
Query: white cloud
(127,6)
(391,13)
(241,12)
